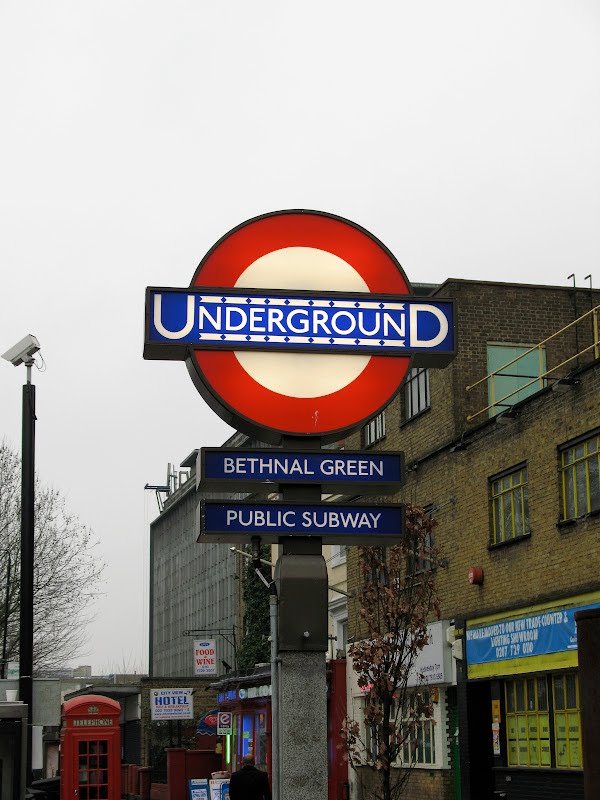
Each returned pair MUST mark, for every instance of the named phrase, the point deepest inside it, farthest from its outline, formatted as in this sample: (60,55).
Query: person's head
(248,760)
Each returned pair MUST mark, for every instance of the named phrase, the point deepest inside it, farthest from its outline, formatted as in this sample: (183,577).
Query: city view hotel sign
(299,324)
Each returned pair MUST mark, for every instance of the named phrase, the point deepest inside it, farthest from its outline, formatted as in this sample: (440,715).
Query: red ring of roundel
(236,389)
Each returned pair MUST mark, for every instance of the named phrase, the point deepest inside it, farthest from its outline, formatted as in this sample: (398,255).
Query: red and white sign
(224,723)
(301,394)
(205,657)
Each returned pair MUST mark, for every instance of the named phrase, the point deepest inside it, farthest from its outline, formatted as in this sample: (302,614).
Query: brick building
(509,470)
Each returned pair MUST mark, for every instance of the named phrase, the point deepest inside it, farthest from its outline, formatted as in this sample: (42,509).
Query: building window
(338,610)
(567,729)
(579,467)
(338,554)
(415,392)
(532,740)
(422,561)
(374,431)
(419,747)
(510,510)
(528,723)
(512,380)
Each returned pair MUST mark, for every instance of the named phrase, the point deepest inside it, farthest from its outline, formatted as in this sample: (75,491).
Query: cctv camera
(23,351)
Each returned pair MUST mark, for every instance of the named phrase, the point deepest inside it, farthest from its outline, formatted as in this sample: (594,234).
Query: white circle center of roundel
(302,374)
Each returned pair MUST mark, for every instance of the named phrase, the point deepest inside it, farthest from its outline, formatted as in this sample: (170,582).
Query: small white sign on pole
(171,704)
(224,723)
(205,657)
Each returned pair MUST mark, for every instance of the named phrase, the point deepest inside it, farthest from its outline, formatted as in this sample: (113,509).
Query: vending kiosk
(90,749)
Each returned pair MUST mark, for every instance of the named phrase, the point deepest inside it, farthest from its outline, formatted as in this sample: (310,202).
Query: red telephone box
(90,749)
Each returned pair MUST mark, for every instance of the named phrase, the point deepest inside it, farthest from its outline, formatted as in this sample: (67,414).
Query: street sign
(337,471)
(205,657)
(325,299)
(224,723)
(171,704)
(349,523)
(308,322)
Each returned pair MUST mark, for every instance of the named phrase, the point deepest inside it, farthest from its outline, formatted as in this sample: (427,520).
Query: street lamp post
(22,353)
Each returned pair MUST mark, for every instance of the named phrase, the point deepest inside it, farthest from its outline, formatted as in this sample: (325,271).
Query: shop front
(523,700)
(431,746)
(250,708)
(248,699)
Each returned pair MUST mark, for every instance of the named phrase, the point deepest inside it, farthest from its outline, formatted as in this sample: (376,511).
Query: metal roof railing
(543,374)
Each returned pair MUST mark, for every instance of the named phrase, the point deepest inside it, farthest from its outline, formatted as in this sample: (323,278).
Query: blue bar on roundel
(301,321)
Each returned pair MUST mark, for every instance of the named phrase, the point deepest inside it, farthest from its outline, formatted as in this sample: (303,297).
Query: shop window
(580,469)
(415,393)
(514,380)
(260,748)
(374,431)
(528,723)
(510,509)
(531,740)
(567,729)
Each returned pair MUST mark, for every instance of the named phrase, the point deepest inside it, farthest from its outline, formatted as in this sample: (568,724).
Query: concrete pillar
(588,647)
(303,726)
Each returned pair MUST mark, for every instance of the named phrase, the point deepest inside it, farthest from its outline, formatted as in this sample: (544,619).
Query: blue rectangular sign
(336,471)
(371,524)
(280,320)
(551,631)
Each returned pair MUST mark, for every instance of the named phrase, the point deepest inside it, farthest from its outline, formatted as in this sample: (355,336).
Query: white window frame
(338,555)
(417,378)
(374,431)
(440,719)
(338,611)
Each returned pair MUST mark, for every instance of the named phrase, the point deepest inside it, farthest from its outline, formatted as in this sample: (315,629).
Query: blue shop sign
(550,631)
(226,319)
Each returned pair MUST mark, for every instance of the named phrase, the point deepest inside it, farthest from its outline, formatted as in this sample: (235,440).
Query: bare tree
(67,571)
(397,600)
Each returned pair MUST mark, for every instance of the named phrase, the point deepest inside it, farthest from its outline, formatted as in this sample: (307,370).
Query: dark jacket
(249,783)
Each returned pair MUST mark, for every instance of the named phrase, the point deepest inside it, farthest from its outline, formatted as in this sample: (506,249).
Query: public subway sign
(309,322)
(298,323)
(336,471)
(225,521)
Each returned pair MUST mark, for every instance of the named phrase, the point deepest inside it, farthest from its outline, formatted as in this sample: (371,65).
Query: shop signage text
(205,657)
(551,631)
(171,704)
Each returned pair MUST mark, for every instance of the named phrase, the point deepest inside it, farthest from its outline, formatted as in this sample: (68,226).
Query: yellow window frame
(569,465)
(517,492)
(568,755)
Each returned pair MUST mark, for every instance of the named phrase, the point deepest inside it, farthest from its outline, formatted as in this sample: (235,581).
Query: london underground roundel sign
(298,323)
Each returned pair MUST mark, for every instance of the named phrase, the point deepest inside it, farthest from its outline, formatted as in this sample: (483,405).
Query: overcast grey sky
(135,133)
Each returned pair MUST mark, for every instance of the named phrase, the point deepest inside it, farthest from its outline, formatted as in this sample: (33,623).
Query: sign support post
(302,648)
